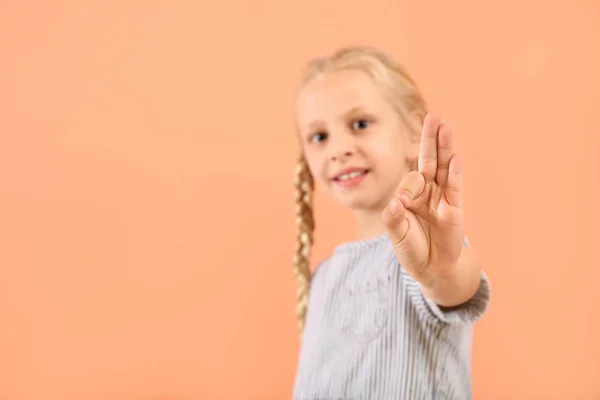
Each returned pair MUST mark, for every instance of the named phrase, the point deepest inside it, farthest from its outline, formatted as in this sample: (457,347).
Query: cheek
(388,154)
(317,166)
(384,149)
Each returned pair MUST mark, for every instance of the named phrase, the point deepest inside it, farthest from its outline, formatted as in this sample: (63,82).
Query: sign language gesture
(425,220)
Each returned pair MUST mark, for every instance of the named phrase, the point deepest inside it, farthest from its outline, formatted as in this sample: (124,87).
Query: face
(352,138)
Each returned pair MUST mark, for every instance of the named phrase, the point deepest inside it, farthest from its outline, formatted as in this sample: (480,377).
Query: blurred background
(147,151)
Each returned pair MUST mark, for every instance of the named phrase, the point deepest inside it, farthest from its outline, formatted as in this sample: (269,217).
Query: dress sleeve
(466,314)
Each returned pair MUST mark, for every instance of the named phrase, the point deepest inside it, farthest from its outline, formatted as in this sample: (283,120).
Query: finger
(428,148)
(453,190)
(394,216)
(395,221)
(408,240)
(444,152)
(411,186)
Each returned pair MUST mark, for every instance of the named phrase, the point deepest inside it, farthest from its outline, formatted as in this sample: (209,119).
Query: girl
(390,315)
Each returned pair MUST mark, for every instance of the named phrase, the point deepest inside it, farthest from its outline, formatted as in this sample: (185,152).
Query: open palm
(425,220)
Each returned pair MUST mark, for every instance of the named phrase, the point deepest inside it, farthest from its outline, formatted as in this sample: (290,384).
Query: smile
(350,178)
(351,175)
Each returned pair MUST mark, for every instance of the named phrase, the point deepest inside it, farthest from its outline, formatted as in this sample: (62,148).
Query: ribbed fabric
(371,333)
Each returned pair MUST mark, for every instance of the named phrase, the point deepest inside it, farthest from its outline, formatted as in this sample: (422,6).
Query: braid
(305,226)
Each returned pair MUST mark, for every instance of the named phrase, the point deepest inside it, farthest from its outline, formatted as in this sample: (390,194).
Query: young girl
(390,315)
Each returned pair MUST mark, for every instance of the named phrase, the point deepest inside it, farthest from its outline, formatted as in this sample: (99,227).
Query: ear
(414,121)
(415,125)
(419,117)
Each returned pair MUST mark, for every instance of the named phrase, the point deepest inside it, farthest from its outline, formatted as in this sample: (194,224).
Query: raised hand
(425,220)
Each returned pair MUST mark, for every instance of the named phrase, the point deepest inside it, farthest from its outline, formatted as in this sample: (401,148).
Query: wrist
(442,277)
(456,285)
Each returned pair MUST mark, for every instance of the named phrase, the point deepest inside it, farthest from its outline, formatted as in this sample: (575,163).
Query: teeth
(350,175)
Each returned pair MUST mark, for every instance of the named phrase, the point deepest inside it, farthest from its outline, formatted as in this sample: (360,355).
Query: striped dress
(371,334)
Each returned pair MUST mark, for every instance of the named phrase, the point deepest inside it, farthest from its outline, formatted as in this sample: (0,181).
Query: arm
(467,304)
(458,286)
(425,222)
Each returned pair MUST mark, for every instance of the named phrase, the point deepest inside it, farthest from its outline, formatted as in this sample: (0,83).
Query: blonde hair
(401,91)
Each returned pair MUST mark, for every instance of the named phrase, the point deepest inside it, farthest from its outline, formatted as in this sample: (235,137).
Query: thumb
(394,216)
(394,219)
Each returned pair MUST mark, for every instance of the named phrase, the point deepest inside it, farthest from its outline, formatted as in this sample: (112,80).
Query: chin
(368,197)
(359,203)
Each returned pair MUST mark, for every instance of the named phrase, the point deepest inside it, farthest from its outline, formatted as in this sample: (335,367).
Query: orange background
(146,169)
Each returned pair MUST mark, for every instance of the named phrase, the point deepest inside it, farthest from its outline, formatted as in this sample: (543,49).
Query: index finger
(428,157)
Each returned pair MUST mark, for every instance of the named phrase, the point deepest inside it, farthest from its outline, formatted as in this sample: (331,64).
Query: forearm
(458,286)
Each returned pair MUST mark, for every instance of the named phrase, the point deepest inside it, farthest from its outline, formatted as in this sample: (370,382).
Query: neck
(368,224)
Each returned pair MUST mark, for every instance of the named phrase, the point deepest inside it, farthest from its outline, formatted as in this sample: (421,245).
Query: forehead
(335,94)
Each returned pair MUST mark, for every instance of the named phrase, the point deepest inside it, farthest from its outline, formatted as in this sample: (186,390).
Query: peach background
(146,161)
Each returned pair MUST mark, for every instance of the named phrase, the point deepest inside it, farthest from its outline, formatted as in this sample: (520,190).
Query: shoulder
(320,268)
(319,275)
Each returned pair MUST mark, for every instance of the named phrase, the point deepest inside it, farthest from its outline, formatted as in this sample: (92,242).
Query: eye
(318,137)
(360,124)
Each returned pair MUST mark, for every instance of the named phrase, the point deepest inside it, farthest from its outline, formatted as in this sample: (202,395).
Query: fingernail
(393,207)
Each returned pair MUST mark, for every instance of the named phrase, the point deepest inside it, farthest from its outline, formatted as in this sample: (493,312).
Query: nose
(342,155)
(342,147)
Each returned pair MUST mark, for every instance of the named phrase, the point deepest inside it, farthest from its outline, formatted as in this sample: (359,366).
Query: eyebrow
(315,125)
(354,111)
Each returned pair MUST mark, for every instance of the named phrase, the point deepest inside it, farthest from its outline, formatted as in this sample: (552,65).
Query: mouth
(350,177)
